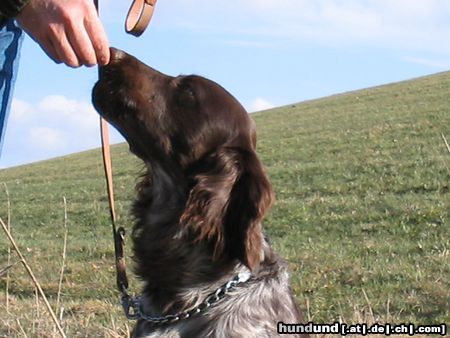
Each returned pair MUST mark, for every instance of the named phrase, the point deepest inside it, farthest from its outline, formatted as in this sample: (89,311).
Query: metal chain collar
(132,305)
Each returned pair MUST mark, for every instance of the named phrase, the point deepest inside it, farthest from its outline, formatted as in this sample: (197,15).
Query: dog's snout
(116,54)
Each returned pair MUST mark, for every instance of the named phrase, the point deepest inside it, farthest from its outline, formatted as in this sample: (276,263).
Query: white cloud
(57,103)
(19,110)
(47,138)
(259,104)
(79,114)
(54,126)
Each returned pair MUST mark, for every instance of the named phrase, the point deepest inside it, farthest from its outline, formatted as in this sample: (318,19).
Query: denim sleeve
(10,41)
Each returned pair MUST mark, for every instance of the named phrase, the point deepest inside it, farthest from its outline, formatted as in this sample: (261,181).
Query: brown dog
(199,206)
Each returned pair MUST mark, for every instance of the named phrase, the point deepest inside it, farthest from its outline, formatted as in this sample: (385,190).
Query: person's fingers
(47,46)
(80,43)
(87,36)
(50,50)
(98,38)
(55,44)
(64,49)
(68,31)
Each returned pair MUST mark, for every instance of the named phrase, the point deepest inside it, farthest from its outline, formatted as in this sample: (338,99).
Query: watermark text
(343,329)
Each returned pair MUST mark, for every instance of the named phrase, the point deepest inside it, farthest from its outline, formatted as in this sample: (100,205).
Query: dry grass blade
(21,328)
(63,264)
(308,312)
(369,305)
(6,269)
(445,141)
(37,312)
(388,315)
(33,278)
(8,222)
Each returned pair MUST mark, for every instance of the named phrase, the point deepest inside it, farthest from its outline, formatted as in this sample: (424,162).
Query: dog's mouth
(110,94)
(111,99)
(122,95)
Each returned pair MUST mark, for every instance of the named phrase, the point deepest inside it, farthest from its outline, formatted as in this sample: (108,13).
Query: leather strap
(106,152)
(118,234)
(138,18)
(139,15)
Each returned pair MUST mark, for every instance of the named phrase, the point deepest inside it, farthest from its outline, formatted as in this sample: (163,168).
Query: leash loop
(139,16)
(131,307)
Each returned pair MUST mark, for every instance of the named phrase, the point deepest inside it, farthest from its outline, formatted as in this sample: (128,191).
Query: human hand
(69,31)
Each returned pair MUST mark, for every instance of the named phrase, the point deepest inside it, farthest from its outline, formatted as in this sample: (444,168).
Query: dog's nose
(116,54)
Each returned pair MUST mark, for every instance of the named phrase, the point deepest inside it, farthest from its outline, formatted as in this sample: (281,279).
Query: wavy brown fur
(200,204)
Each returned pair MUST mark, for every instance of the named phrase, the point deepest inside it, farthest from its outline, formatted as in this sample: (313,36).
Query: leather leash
(118,234)
(138,18)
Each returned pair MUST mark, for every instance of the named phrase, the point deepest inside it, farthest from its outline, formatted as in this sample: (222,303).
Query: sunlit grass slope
(362,214)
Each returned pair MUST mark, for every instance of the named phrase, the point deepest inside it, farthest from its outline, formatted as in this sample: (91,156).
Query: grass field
(362,215)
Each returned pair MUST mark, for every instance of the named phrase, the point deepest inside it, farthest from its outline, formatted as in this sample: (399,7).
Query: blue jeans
(11,37)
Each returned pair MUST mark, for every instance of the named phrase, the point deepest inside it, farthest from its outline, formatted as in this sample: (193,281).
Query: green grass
(362,183)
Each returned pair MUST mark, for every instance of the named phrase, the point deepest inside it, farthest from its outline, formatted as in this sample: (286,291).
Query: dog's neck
(167,260)
(162,196)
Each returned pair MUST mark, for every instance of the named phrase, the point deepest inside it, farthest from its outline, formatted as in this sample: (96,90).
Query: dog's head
(195,125)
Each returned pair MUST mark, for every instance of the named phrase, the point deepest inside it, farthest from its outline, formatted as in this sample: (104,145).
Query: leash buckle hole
(131,307)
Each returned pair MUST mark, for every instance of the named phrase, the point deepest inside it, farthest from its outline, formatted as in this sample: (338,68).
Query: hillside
(362,214)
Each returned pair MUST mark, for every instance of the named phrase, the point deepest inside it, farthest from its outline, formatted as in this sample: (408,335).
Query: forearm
(10,8)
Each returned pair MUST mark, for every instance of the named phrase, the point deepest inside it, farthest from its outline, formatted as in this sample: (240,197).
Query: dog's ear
(228,199)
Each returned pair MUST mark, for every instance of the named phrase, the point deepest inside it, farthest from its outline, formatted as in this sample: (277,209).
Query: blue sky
(267,53)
